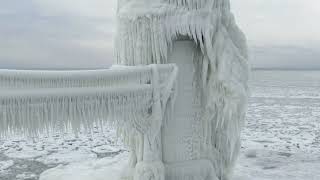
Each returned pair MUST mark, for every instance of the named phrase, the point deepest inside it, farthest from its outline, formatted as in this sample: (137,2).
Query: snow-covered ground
(281,139)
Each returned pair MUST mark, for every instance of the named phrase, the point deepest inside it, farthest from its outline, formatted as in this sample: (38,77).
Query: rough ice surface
(147,33)
(282,131)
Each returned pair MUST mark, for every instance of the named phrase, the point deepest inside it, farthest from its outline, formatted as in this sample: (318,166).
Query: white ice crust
(147,33)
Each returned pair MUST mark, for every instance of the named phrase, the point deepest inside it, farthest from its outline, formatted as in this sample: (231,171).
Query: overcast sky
(79,33)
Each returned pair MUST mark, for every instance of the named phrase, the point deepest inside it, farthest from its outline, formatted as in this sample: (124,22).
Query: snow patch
(103,169)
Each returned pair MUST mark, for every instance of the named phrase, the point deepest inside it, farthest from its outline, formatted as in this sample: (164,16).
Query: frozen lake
(281,137)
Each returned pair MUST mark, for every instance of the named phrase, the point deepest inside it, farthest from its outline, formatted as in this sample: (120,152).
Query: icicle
(155,25)
(43,104)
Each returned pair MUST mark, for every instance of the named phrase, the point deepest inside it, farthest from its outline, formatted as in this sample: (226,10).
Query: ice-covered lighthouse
(200,138)
(178,94)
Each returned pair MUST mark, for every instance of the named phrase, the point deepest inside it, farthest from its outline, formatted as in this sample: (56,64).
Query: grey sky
(79,33)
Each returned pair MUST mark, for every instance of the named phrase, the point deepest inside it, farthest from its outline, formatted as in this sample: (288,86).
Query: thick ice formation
(138,99)
(147,31)
(34,102)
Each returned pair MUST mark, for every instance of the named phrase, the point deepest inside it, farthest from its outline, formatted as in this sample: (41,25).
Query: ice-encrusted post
(200,137)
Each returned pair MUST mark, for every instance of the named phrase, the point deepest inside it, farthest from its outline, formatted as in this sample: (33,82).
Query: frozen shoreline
(281,140)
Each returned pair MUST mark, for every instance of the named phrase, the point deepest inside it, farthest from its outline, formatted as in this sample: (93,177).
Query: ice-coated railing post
(152,166)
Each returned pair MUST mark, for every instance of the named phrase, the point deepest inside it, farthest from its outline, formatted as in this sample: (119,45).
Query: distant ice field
(289,84)
(280,140)
(285,105)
